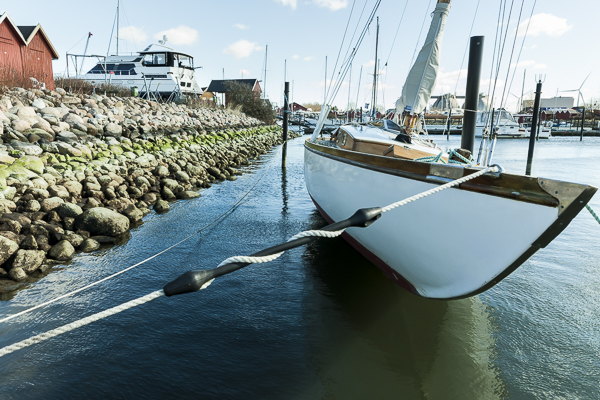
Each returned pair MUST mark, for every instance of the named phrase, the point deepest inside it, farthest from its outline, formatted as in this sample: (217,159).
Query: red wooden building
(25,52)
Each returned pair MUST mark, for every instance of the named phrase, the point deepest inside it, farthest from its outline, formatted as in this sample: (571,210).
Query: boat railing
(120,72)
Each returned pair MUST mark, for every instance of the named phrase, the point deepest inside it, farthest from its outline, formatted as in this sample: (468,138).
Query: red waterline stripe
(366,253)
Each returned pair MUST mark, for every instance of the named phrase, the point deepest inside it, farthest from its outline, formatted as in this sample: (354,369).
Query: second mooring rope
(231,209)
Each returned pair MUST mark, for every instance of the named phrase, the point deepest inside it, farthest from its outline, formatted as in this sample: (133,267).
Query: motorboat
(158,70)
(504,124)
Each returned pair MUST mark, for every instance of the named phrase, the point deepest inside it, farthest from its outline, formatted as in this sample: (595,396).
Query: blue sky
(232,35)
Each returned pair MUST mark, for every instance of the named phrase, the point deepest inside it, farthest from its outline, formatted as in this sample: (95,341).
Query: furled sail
(423,74)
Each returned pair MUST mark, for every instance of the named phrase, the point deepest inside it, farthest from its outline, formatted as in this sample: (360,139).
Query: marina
(203,210)
(306,320)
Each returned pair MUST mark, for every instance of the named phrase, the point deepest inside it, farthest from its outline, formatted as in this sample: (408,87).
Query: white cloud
(242,49)
(133,34)
(295,57)
(291,3)
(308,58)
(528,64)
(244,72)
(241,26)
(182,35)
(451,76)
(545,24)
(333,5)
(370,64)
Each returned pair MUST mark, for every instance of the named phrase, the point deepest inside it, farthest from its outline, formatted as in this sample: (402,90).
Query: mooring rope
(226,213)
(79,323)
(596,217)
(244,259)
(271,257)
(493,168)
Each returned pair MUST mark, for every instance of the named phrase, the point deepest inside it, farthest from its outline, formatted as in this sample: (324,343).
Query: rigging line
(522,44)
(420,32)
(355,30)
(496,65)
(77,42)
(223,215)
(354,51)
(512,53)
(350,58)
(397,30)
(111,33)
(467,47)
(341,46)
(135,42)
(501,53)
(490,103)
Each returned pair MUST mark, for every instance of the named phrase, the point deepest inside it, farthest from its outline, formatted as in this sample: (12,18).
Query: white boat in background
(504,123)
(158,72)
(455,243)
(158,69)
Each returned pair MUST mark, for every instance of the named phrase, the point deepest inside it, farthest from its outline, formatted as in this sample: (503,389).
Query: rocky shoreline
(77,172)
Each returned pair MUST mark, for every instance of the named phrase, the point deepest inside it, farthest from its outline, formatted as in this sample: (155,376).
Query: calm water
(320,322)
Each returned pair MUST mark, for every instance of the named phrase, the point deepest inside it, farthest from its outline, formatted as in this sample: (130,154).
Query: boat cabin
(382,138)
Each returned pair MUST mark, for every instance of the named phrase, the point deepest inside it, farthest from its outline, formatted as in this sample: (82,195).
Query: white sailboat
(456,243)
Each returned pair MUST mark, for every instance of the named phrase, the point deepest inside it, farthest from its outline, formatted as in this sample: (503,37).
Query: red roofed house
(25,51)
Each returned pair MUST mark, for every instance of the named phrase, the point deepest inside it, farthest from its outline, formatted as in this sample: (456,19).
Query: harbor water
(320,321)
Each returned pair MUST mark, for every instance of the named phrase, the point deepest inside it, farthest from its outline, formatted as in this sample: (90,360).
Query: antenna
(118,3)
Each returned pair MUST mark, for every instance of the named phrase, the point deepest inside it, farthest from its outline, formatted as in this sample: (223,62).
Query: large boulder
(72,119)
(62,251)
(51,203)
(113,129)
(69,210)
(21,125)
(38,103)
(29,260)
(27,148)
(31,163)
(89,245)
(7,249)
(133,213)
(103,221)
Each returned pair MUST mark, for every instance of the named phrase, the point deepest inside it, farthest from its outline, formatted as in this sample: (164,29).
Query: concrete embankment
(77,172)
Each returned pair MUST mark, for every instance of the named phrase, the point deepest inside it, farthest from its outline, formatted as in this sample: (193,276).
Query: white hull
(156,70)
(452,244)
(504,132)
(545,133)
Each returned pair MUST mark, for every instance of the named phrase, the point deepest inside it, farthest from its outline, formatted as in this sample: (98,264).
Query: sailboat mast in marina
(455,243)
(421,79)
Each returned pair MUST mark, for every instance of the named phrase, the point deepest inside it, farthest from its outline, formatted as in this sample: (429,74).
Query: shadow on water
(371,338)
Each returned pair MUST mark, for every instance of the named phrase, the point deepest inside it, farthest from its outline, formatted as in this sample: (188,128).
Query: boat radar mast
(423,74)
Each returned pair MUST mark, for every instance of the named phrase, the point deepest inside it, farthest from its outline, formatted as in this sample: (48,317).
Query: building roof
(219,86)
(27,33)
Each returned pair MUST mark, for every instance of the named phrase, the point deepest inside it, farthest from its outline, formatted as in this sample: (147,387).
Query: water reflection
(371,338)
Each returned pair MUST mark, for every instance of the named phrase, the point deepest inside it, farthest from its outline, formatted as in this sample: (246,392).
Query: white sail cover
(423,74)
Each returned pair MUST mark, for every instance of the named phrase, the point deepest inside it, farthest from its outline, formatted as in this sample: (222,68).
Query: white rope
(74,325)
(448,185)
(271,257)
(143,261)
